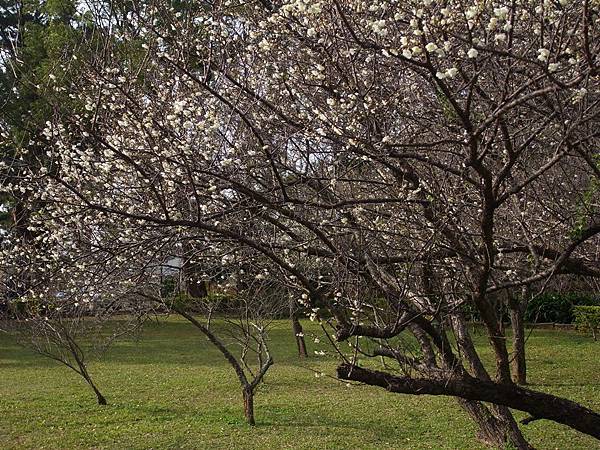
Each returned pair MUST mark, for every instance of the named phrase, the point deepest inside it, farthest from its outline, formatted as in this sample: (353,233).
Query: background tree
(253,304)
(65,331)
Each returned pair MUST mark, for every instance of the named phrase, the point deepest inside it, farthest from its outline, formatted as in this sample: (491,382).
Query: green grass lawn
(171,389)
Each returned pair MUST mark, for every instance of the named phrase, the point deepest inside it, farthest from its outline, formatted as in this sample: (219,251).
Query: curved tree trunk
(538,404)
(510,429)
(498,426)
(81,368)
(467,348)
(83,371)
(248,387)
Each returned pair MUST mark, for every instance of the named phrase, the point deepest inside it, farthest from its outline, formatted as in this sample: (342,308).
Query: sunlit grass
(171,389)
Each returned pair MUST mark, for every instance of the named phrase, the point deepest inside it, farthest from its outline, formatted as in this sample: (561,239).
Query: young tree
(65,326)
(249,304)
(394,163)
(248,328)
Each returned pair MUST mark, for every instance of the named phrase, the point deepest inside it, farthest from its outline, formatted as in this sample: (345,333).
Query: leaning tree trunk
(81,368)
(538,404)
(84,373)
(248,387)
(510,429)
(99,396)
(496,427)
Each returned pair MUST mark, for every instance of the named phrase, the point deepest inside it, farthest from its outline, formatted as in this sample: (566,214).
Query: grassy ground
(173,390)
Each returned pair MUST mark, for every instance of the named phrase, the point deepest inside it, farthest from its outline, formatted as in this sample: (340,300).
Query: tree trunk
(249,406)
(510,429)
(496,338)
(492,430)
(78,357)
(425,344)
(247,388)
(192,283)
(299,335)
(467,348)
(297,329)
(538,404)
(99,396)
(519,364)
(209,318)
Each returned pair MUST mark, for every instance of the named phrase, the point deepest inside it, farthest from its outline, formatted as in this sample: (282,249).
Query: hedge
(556,307)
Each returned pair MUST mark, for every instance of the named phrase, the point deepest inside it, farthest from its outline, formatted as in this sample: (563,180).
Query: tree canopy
(390,163)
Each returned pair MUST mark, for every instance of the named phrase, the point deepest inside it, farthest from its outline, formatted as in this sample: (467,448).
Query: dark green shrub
(220,302)
(168,286)
(587,318)
(213,302)
(184,301)
(551,307)
(470,312)
(557,307)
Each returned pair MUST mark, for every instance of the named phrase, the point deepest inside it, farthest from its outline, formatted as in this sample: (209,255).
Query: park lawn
(171,389)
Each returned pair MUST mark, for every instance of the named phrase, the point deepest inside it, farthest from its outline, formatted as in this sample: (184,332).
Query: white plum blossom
(368,161)
(431,47)
(543,54)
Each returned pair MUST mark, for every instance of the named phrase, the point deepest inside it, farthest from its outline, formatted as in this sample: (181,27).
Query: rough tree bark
(249,405)
(519,363)
(497,426)
(538,404)
(492,431)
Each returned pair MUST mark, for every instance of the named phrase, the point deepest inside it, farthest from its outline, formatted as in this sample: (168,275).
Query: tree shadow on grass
(266,417)
(165,342)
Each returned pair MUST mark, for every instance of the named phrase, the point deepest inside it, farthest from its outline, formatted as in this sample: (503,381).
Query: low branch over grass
(538,404)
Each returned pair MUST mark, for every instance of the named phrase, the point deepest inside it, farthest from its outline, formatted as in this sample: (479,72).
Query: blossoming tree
(393,163)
